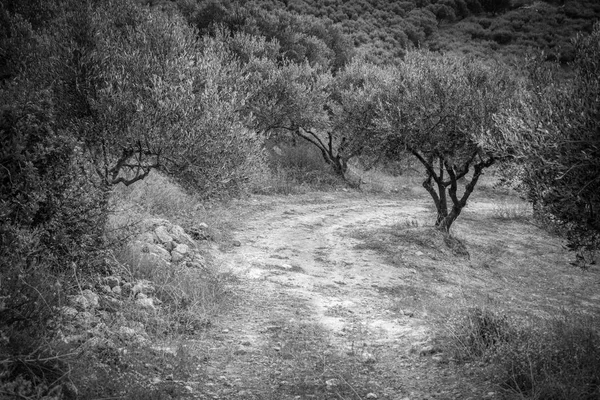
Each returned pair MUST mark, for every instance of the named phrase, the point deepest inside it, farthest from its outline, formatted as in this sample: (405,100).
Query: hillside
(382,30)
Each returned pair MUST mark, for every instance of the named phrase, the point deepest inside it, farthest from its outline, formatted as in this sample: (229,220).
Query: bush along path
(338,296)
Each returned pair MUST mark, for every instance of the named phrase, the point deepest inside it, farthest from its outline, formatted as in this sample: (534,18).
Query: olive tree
(294,98)
(552,135)
(161,99)
(354,98)
(434,108)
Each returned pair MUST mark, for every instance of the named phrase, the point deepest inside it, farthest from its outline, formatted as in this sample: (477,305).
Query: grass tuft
(557,358)
(512,211)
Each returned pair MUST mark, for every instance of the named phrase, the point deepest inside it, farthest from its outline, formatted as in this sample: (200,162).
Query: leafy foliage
(553,135)
(434,109)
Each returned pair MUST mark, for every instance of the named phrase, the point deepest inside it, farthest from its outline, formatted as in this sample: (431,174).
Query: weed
(477,332)
(558,358)
(512,211)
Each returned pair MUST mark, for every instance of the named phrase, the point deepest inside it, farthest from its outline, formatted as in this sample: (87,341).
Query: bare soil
(341,295)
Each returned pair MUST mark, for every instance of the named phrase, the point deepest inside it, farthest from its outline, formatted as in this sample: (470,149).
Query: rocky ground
(335,295)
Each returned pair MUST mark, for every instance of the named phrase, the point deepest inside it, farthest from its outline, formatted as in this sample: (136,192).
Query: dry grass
(516,305)
(308,366)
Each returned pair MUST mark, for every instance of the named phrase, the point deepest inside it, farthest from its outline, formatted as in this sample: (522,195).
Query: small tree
(294,98)
(434,108)
(355,96)
(552,134)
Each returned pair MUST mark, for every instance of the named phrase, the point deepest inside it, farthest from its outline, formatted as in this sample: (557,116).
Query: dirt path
(311,317)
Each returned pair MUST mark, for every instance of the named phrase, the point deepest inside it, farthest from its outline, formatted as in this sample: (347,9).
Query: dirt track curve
(300,280)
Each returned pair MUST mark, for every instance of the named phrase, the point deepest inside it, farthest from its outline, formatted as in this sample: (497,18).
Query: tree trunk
(448,188)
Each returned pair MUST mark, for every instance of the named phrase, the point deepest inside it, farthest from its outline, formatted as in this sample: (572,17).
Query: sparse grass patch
(309,367)
(556,358)
(512,211)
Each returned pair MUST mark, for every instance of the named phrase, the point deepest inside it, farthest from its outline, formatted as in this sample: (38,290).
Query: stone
(371,396)
(158,250)
(117,290)
(163,234)
(181,236)
(179,252)
(182,248)
(112,281)
(144,287)
(368,358)
(332,382)
(146,303)
(202,225)
(169,246)
(236,243)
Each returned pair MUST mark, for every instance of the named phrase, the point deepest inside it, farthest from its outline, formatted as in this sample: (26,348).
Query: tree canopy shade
(434,108)
(552,133)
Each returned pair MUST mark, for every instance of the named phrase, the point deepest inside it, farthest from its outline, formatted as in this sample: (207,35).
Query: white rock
(179,252)
(158,250)
(181,236)
(163,234)
(202,225)
(117,290)
(368,358)
(145,302)
(332,382)
(182,248)
(371,396)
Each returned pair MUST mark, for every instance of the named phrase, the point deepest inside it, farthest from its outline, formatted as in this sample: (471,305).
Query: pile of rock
(163,243)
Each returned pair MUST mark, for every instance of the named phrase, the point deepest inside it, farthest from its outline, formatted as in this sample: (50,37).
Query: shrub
(549,359)
(551,132)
